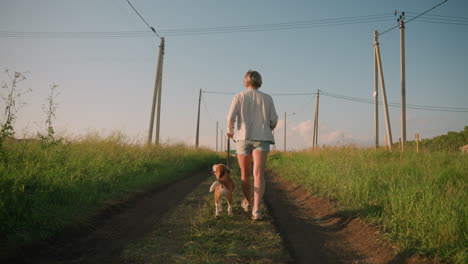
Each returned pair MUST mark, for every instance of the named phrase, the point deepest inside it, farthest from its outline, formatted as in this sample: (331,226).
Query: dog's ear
(225,170)
(221,169)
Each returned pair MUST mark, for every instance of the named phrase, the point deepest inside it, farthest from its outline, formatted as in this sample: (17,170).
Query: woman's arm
(273,116)
(231,117)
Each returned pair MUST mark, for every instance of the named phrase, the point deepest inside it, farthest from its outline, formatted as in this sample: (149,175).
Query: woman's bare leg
(245,169)
(260,158)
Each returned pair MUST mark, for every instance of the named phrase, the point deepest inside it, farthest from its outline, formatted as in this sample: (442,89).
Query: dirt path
(315,233)
(112,231)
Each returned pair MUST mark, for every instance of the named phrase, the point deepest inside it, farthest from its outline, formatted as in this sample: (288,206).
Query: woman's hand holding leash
(231,135)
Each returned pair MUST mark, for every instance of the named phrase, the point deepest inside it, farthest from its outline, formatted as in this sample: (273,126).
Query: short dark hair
(253,78)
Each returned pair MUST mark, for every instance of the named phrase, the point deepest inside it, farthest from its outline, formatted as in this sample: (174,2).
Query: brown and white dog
(223,186)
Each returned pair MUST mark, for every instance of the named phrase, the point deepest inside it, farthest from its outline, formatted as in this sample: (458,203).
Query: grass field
(420,201)
(190,233)
(44,189)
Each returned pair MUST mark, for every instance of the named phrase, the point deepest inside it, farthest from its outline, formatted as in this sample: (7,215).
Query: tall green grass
(419,200)
(45,188)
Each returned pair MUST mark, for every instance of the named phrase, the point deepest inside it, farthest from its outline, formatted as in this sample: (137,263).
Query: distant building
(464,149)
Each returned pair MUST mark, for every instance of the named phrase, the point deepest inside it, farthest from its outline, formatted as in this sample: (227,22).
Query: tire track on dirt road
(107,236)
(315,233)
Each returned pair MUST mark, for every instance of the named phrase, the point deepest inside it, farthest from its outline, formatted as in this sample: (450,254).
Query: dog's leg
(229,198)
(218,208)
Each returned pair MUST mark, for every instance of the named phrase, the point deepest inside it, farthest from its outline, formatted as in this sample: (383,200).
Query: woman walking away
(256,118)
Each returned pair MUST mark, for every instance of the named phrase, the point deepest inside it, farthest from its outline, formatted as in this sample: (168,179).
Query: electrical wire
(279,26)
(441,16)
(300,110)
(144,21)
(214,92)
(236,29)
(430,9)
(367,101)
(206,108)
(272,94)
(428,18)
(410,106)
(209,30)
(423,20)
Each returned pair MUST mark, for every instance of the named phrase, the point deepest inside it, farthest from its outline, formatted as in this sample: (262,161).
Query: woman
(256,118)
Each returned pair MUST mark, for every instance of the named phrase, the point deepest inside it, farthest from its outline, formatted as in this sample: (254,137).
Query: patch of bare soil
(314,232)
(103,239)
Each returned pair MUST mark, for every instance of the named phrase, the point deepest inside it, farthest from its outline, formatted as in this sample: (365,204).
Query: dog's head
(220,170)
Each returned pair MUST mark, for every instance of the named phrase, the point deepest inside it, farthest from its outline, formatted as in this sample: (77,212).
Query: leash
(229,150)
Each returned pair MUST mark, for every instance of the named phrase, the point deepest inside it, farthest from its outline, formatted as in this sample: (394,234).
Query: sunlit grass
(44,189)
(419,200)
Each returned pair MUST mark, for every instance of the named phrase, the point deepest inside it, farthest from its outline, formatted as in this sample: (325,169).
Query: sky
(106,83)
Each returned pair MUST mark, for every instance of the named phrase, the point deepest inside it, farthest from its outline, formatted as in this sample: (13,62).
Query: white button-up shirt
(255,114)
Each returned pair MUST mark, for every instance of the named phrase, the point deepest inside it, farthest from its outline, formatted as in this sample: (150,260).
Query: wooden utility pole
(157,84)
(382,85)
(221,141)
(158,115)
(285,131)
(401,20)
(216,136)
(316,122)
(376,101)
(198,121)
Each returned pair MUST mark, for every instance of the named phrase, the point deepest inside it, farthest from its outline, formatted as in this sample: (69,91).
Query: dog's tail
(214,185)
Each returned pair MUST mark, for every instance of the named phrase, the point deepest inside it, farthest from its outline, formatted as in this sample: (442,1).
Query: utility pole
(285,131)
(198,121)
(382,85)
(156,89)
(158,116)
(221,141)
(315,124)
(376,101)
(216,136)
(315,140)
(401,21)
(224,142)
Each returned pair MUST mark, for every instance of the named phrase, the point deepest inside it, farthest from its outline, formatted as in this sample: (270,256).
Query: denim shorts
(245,147)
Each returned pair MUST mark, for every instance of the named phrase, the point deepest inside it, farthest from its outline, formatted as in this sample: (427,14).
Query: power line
(367,101)
(144,21)
(406,22)
(412,106)
(209,30)
(279,26)
(233,29)
(424,20)
(441,16)
(213,92)
(206,108)
(430,9)
(272,94)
